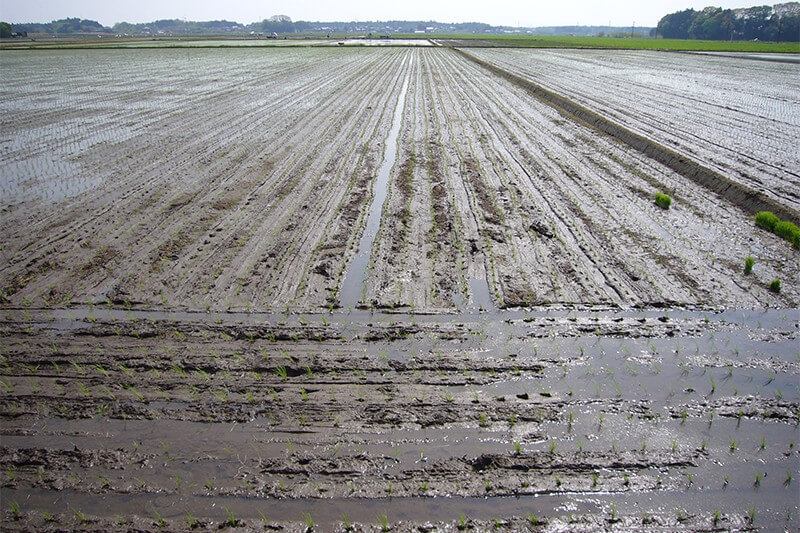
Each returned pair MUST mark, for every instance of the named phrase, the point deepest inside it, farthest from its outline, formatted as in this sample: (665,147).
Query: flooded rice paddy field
(736,114)
(385,288)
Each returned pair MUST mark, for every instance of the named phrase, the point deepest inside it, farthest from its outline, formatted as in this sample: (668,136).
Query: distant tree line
(179,26)
(763,23)
(280,24)
(71,25)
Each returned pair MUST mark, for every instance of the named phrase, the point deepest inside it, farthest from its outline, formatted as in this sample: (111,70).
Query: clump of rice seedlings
(784,229)
(748,265)
(767,220)
(534,520)
(663,201)
(788,231)
(775,286)
(383,521)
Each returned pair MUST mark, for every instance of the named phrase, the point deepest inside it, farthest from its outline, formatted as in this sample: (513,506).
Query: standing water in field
(353,285)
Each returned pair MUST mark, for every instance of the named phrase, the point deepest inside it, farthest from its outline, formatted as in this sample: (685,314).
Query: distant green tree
(676,25)
(713,23)
(5,30)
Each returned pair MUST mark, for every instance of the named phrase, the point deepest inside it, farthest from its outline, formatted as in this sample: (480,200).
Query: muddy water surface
(599,417)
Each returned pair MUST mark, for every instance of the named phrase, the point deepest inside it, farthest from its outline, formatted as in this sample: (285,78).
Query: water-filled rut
(353,286)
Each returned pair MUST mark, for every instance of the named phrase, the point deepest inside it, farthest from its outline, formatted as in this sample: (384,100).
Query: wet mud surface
(582,420)
(259,201)
(373,289)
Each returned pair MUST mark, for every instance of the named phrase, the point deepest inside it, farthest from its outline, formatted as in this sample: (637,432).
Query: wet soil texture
(387,289)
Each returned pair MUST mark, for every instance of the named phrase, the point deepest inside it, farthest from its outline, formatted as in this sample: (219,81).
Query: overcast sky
(495,12)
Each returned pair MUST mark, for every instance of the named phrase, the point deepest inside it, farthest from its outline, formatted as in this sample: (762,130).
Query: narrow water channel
(353,286)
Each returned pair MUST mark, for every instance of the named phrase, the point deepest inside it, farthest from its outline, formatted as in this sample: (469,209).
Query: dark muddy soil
(119,419)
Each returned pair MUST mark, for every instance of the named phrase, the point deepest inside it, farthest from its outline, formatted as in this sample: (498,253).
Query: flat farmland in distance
(387,288)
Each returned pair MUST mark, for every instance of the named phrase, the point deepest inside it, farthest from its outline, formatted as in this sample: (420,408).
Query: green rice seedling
(766,220)
(231,519)
(345,522)
(15,511)
(716,516)
(307,520)
(534,520)
(757,482)
(748,265)
(775,286)
(663,201)
(160,522)
(80,516)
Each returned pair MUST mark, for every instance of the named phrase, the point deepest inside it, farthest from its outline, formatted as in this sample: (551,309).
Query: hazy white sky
(495,12)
